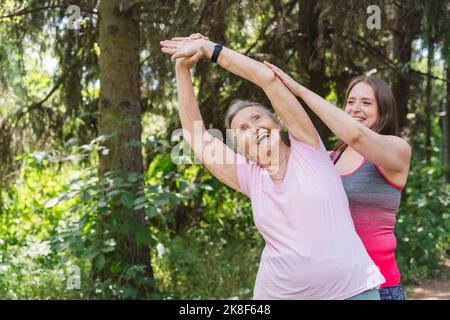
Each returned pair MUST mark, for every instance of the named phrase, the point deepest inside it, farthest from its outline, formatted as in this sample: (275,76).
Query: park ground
(434,289)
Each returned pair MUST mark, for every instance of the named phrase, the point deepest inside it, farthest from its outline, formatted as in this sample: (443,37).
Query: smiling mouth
(359,118)
(262,136)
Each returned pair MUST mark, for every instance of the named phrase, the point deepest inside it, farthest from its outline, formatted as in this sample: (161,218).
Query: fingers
(188,61)
(179,54)
(197,56)
(272,66)
(280,74)
(197,35)
(194,58)
(175,56)
(268,64)
(194,36)
(169,47)
(178,38)
(174,52)
(170,51)
(169,44)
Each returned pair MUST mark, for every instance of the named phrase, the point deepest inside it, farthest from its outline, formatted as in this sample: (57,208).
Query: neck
(277,168)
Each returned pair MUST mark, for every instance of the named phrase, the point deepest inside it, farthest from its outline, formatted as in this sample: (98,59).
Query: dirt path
(435,289)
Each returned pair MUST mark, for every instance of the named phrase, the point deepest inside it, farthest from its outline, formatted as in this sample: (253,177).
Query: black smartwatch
(216,52)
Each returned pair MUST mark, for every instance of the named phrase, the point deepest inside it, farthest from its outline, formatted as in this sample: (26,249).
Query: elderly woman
(299,204)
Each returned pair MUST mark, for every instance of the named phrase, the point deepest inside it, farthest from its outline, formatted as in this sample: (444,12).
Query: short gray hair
(238,104)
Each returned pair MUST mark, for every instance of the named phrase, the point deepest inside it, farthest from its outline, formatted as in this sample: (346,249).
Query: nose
(253,130)
(356,107)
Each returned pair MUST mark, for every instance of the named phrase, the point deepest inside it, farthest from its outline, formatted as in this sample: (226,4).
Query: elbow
(264,76)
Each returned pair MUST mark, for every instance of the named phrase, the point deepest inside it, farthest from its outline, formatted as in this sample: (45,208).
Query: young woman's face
(362,104)
(257,135)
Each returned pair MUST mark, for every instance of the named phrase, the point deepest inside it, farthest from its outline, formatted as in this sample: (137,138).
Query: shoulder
(308,151)
(401,147)
(403,151)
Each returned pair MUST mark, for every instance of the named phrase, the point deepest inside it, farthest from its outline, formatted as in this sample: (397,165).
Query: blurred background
(92,205)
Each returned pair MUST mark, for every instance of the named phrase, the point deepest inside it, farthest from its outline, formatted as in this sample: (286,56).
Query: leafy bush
(423,228)
(203,239)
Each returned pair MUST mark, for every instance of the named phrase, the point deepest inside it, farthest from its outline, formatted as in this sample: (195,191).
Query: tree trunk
(311,62)
(447,117)
(72,86)
(120,113)
(428,108)
(212,24)
(406,28)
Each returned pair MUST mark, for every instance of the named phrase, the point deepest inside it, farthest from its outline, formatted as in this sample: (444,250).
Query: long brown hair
(387,122)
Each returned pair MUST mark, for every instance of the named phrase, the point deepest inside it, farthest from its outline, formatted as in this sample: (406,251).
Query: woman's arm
(389,152)
(202,142)
(283,101)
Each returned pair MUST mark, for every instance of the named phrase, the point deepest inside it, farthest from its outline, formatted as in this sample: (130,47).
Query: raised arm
(199,139)
(389,152)
(285,104)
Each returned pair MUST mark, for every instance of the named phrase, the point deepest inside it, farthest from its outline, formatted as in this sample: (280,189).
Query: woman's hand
(189,61)
(290,83)
(184,47)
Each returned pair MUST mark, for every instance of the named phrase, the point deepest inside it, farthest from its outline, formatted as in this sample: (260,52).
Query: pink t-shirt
(312,250)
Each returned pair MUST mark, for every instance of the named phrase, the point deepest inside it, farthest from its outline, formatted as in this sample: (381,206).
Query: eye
(243,127)
(350,102)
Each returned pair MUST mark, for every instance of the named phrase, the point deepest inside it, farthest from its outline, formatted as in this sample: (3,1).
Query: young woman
(372,161)
(299,204)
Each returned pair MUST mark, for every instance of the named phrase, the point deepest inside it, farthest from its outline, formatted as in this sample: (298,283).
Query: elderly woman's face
(257,135)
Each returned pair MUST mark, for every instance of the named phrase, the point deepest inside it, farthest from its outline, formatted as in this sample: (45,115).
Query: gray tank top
(373,202)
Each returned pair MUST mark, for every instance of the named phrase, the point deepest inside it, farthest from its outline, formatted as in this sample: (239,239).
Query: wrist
(180,65)
(208,49)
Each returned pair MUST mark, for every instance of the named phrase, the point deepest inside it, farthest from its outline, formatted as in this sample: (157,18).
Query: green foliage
(218,253)
(423,228)
(50,218)
(31,216)
(57,212)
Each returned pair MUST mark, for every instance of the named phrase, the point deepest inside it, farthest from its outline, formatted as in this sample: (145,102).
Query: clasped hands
(186,51)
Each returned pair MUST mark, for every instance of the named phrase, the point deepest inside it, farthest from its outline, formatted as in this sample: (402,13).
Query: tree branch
(391,64)
(32,10)
(39,103)
(125,7)
(28,11)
